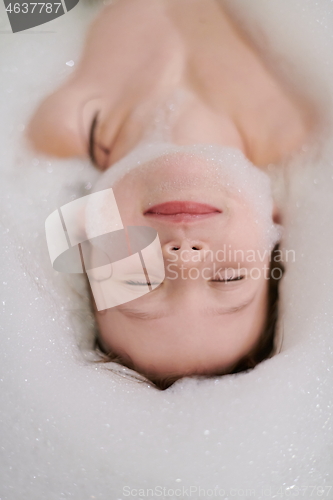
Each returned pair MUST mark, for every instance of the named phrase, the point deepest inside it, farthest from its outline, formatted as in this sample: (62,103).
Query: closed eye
(132,282)
(238,278)
(142,283)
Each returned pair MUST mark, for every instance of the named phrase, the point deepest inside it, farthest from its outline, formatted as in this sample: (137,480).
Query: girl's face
(211,307)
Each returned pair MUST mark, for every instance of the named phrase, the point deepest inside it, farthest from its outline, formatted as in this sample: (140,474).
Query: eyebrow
(210,311)
(230,310)
(134,313)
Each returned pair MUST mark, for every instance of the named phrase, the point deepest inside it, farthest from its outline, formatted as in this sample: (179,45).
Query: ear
(54,128)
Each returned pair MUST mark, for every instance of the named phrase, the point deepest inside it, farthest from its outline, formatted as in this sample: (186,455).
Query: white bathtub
(71,430)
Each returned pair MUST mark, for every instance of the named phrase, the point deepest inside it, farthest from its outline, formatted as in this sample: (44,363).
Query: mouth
(182,211)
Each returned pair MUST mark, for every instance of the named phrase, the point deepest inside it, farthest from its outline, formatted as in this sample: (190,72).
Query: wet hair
(263,349)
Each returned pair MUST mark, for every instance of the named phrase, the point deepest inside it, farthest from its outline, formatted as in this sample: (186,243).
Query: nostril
(175,248)
(195,248)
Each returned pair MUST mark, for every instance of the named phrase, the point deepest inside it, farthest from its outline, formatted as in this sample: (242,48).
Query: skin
(137,53)
(191,323)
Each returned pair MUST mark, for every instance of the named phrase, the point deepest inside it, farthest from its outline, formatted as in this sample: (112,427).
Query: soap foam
(227,170)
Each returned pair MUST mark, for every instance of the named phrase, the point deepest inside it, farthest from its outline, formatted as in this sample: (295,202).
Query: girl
(187,62)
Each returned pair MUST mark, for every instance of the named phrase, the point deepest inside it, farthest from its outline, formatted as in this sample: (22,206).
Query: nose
(185,250)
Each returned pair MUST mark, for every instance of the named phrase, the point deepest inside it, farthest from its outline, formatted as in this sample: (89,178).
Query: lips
(181,211)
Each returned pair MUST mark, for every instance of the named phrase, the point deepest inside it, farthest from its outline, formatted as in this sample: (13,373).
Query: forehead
(169,346)
(184,339)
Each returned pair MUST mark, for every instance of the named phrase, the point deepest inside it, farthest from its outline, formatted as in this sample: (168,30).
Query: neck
(228,96)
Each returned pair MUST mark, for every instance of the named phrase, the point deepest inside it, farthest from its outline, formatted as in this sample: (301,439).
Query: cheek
(244,235)
(249,231)
(128,202)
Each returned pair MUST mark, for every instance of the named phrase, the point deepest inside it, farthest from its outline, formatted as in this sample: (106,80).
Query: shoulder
(54,127)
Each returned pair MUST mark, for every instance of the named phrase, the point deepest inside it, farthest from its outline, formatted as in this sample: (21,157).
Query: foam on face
(227,170)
